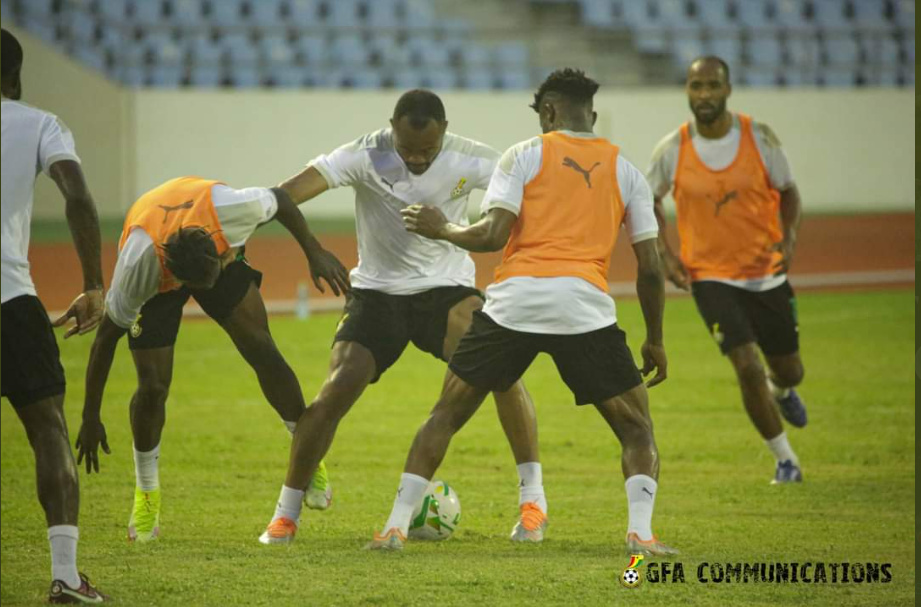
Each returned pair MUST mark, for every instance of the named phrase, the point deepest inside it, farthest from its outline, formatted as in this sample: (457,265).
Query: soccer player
(405,289)
(32,376)
(556,203)
(185,238)
(738,211)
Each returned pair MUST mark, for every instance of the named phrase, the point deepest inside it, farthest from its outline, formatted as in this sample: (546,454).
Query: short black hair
(12,54)
(714,59)
(568,82)
(420,106)
(190,254)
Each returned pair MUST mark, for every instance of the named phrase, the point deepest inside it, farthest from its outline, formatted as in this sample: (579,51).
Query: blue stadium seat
(473,54)
(764,49)
(266,13)
(312,48)
(512,55)
(797,77)
(407,79)
(226,13)
(147,13)
(245,76)
(908,75)
(204,50)
(759,77)
(43,29)
(166,76)
(830,15)
(37,9)
(348,50)
(205,75)
(91,56)
(364,79)
(841,49)
(419,14)
(839,77)
(871,15)
(904,12)
(908,47)
(479,80)
(597,13)
(753,15)
(514,79)
(274,47)
(113,11)
(164,50)
(456,27)
(425,51)
(239,48)
(880,50)
(803,51)
(82,27)
(441,79)
(791,16)
(727,46)
(384,14)
(323,78)
(342,14)
(6,11)
(685,49)
(714,14)
(674,16)
(637,14)
(304,13)
(113,39)
(387,51)
(132,76)
(285,75)
(188,13)
(887,76)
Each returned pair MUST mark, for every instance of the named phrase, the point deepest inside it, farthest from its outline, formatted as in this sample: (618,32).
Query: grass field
(224,454)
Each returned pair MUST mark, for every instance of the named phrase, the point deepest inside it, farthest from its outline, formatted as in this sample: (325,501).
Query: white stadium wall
(851,151)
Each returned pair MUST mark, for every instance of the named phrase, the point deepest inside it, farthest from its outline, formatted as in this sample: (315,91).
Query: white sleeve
(517,167)
(775,159)
(487,166)
(56,142)
(136,279)
(242,211)
(663,164)
(344,166)
(639,216)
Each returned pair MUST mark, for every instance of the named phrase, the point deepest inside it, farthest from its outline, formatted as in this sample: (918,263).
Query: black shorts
(736,317)
(158,323)
(31,362)
(596,366)
(385,323)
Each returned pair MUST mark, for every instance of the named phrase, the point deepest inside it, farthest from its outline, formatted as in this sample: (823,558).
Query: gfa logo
(632,576)
(136,329)
(459,188)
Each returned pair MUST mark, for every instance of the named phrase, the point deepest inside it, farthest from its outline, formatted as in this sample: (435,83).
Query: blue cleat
(787,472)
(793,409)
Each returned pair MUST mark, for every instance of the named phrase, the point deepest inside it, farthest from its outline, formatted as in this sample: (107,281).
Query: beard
(710,112)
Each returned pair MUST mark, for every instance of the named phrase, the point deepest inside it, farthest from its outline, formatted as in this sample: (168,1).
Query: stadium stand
(381,43)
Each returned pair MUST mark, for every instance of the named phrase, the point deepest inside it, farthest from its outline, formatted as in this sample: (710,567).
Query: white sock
(641,498)
(146,469)
(289,504)
(411,491)
(777,391)
(780,447)
(290,426)
(63,540)
(531,485)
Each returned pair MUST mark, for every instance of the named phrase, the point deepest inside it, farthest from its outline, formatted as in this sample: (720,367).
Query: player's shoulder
(22,111)
(519,150)
(377,140)
(765,134)
(469,148)
(670,143)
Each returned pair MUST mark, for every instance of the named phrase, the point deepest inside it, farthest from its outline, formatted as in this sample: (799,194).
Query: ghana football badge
(632,576)
(459,188)
(136,329)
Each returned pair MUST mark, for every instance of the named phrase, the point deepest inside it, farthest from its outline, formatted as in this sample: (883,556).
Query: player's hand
(86,310)
(786,248)
(92,435)
(424,221)
(327,266)
(676,272)
(654,359)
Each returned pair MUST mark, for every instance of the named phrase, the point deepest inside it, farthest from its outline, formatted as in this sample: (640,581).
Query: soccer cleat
(531,525)
(392,540)
(787,472)
(793,409)
(279,531)
(651,547)
(319,494)
(144,525)
(62,594)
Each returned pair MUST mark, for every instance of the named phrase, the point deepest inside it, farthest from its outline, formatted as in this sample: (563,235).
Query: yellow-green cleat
(319,494)
(144,525)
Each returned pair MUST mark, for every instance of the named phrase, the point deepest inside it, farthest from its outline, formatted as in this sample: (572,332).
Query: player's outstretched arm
(307,184)
(790,215)
(323,264)
(92,432)
(674,269)
(650,287)
(87,308)
(490,233)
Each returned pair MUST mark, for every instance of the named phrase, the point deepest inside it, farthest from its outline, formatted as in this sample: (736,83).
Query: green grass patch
(224,454)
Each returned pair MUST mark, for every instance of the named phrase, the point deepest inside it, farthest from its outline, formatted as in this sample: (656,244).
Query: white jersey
(137,271)
(390,259)
(563,305)
(717,154)
(33,140)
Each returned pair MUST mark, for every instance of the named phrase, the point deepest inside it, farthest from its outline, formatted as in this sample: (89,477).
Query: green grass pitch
(224,454)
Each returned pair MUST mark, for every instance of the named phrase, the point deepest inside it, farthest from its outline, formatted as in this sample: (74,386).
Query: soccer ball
(437,515)
(630,578)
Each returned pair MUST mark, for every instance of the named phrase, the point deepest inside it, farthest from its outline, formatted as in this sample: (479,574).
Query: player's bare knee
(790,374)
(151,394)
